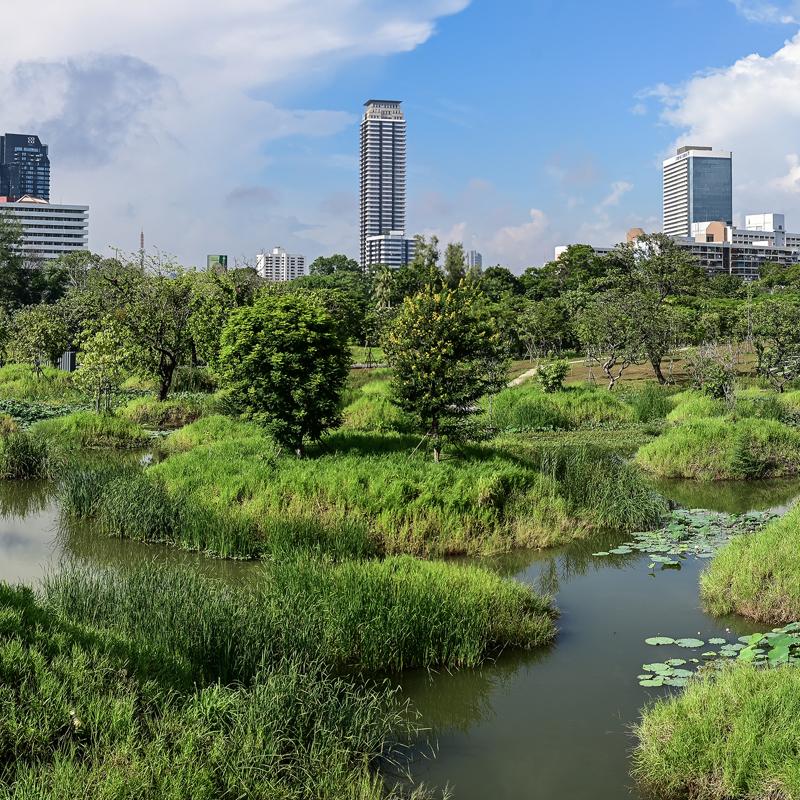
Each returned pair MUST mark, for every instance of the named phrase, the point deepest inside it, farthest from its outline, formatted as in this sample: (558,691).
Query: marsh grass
(724,449)
(87,430)
(77,720)
(757,576)
(24,457)
(732,735)
(527,407)
(376,616)
(174,412)
(20,382)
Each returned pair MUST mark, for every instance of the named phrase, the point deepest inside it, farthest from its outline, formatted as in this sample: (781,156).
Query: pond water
(552,724)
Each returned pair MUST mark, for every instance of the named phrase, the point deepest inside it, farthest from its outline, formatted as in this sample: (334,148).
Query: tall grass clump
(87,430)
(21,382)
(174,412)
(24,457)
(650,403)
(80,717)
(733,735)
(691,404)
(599,485)
(529,408)
(724,449)
(212,429)
(378,616)
(757,575)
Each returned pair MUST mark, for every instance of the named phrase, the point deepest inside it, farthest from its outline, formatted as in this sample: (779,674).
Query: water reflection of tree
(24,498)
(731,497)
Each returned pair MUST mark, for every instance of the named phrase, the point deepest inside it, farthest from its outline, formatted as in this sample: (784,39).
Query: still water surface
(552,724)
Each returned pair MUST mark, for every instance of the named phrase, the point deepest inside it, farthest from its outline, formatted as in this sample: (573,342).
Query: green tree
(541,327)
(285,361)
(213,297)
(579,267)
(445,353)
(498,282)
(775,332)
(455,269)
(39,335)
(152,308)
(610,332)
(103,365)
(328,265)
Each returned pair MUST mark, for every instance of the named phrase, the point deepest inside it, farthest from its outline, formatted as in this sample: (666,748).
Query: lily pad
(652,682)
(716,640)
(689,643)
(676,662)
(659,640)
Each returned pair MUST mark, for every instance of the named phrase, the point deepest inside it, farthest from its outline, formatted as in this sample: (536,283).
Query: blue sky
(530,123)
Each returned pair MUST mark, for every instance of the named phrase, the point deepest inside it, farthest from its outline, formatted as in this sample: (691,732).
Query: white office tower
(390,249)
(698,187)
(473,260)
(279,266)
(49,230)
(383,177)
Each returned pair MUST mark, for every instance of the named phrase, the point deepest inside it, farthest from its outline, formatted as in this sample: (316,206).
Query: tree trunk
(165,375)
(656,363)
(437,445)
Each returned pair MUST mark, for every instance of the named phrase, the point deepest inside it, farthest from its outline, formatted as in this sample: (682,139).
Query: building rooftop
(383,102)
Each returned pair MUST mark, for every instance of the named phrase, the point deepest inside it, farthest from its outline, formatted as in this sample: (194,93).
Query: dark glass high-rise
(24,167)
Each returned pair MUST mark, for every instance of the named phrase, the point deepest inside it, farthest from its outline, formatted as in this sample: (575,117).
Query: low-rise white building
(49,230)
(390,249)
(279,266)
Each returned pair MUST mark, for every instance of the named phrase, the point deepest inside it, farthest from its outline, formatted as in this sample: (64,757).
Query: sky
(233,127)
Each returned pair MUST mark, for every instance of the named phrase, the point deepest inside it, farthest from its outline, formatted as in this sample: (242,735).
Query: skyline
(243,134)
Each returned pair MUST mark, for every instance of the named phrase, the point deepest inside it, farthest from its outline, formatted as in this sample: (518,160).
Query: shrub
(730,735)
(551,376)
(721,449)
(758,575)
(85,429)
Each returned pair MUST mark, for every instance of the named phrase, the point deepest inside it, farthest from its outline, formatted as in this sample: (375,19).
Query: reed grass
(724,449)
(758,575)
(20,382)
(529,408)
(24,457)
(732,736)
(77,720)
(174,412)
(377,616)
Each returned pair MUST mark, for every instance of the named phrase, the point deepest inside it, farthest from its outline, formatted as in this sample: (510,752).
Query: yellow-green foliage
(8,425)
(214,428)
(20,382)
(409,502)
(86,429)
(722,449)
(695,405)
(170,413)
(758,575)
(729,736)
(527,407)
(371,409)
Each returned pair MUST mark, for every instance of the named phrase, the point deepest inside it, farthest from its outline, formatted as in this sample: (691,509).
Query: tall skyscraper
(698,187)
(383,174)
(24,167)
(473,260)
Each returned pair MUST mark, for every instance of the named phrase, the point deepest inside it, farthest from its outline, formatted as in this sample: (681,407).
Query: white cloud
(618,190)
(522,244)
(752,108)
(156,111)
(762,11)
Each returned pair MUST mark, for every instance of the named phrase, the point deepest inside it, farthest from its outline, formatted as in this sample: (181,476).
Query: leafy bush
(551,376)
